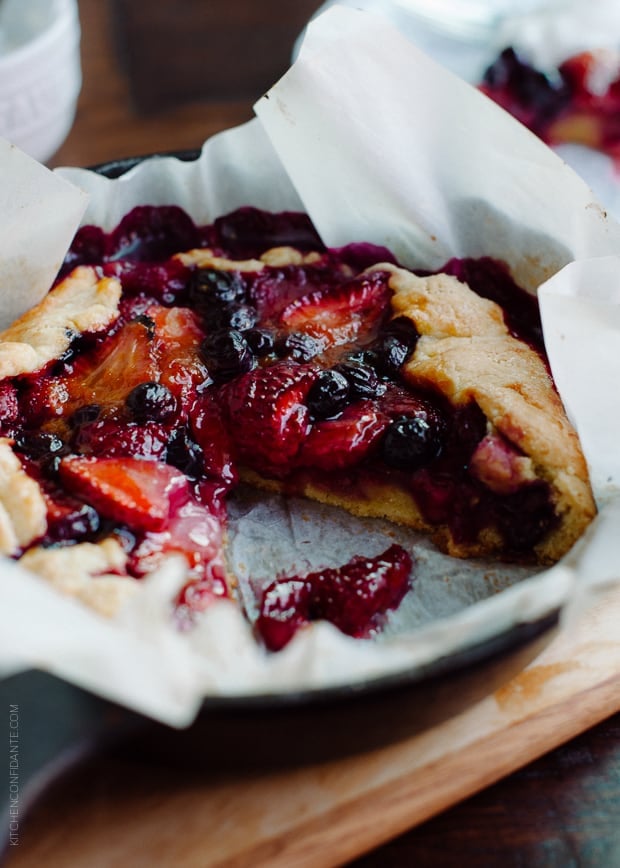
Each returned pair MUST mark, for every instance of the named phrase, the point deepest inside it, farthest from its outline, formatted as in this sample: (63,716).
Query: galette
(171,364)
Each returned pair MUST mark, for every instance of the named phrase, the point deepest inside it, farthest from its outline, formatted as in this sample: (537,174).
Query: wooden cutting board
(465,734)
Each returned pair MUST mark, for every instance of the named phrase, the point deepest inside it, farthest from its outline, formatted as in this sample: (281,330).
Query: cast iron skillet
(60,724)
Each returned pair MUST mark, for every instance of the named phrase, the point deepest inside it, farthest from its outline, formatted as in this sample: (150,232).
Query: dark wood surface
(562,810)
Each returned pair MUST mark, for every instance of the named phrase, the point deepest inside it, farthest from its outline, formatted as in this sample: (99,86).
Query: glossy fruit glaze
(292,371)
(568,106)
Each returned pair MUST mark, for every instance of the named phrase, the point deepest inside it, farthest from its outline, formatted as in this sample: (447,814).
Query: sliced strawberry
(44,398)
(122,362)
(340,314)
(114,438)
(273,289)
(585,72)
(178,334)
(267,415)
(344,442)
(353,597)
(141,494)
(210,433)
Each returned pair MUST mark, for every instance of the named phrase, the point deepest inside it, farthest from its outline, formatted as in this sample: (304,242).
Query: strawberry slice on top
(338,315)
(123,361)
(267,414)
(334,444)
(177,337)
(141,494)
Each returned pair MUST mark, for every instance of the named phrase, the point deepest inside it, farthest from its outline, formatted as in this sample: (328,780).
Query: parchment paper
(380,145)
(39,215)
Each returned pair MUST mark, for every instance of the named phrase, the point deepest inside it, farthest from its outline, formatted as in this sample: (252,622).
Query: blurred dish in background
(40,73)
(459,34)
(553,64)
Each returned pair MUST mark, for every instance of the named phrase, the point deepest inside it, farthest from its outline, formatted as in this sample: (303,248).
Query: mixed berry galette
(580,103)
(170,362)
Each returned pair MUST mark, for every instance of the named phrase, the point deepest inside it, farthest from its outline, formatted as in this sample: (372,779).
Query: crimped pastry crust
(22,506)
(91,572)
(83,302)
(465,354)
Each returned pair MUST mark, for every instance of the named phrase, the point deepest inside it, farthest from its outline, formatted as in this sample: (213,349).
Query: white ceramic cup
(40,73)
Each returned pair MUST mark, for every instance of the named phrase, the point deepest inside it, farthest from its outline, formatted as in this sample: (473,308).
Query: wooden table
(563,809)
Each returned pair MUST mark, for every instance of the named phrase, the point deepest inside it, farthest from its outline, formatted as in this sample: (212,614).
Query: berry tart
(580,103)
(171,362)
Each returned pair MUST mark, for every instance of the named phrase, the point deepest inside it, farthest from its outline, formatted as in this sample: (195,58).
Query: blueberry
(260,341)
(226,353)
(219,297)
(209,285)
(297,346)
(365,357)
(362,379)
(395,345)
(215,316)
(151,402)
(85,414)
(39,444)
(411,442)
(526,516)
(241,316)
(328,395)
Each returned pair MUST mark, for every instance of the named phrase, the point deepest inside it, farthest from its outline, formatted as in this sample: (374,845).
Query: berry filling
(289,371)
(353,597)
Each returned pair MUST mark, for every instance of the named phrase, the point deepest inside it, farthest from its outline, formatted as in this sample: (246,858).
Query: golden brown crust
(276,257)
(90,572)
(22,506)
(442,305)
(83,302)
(467,354)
